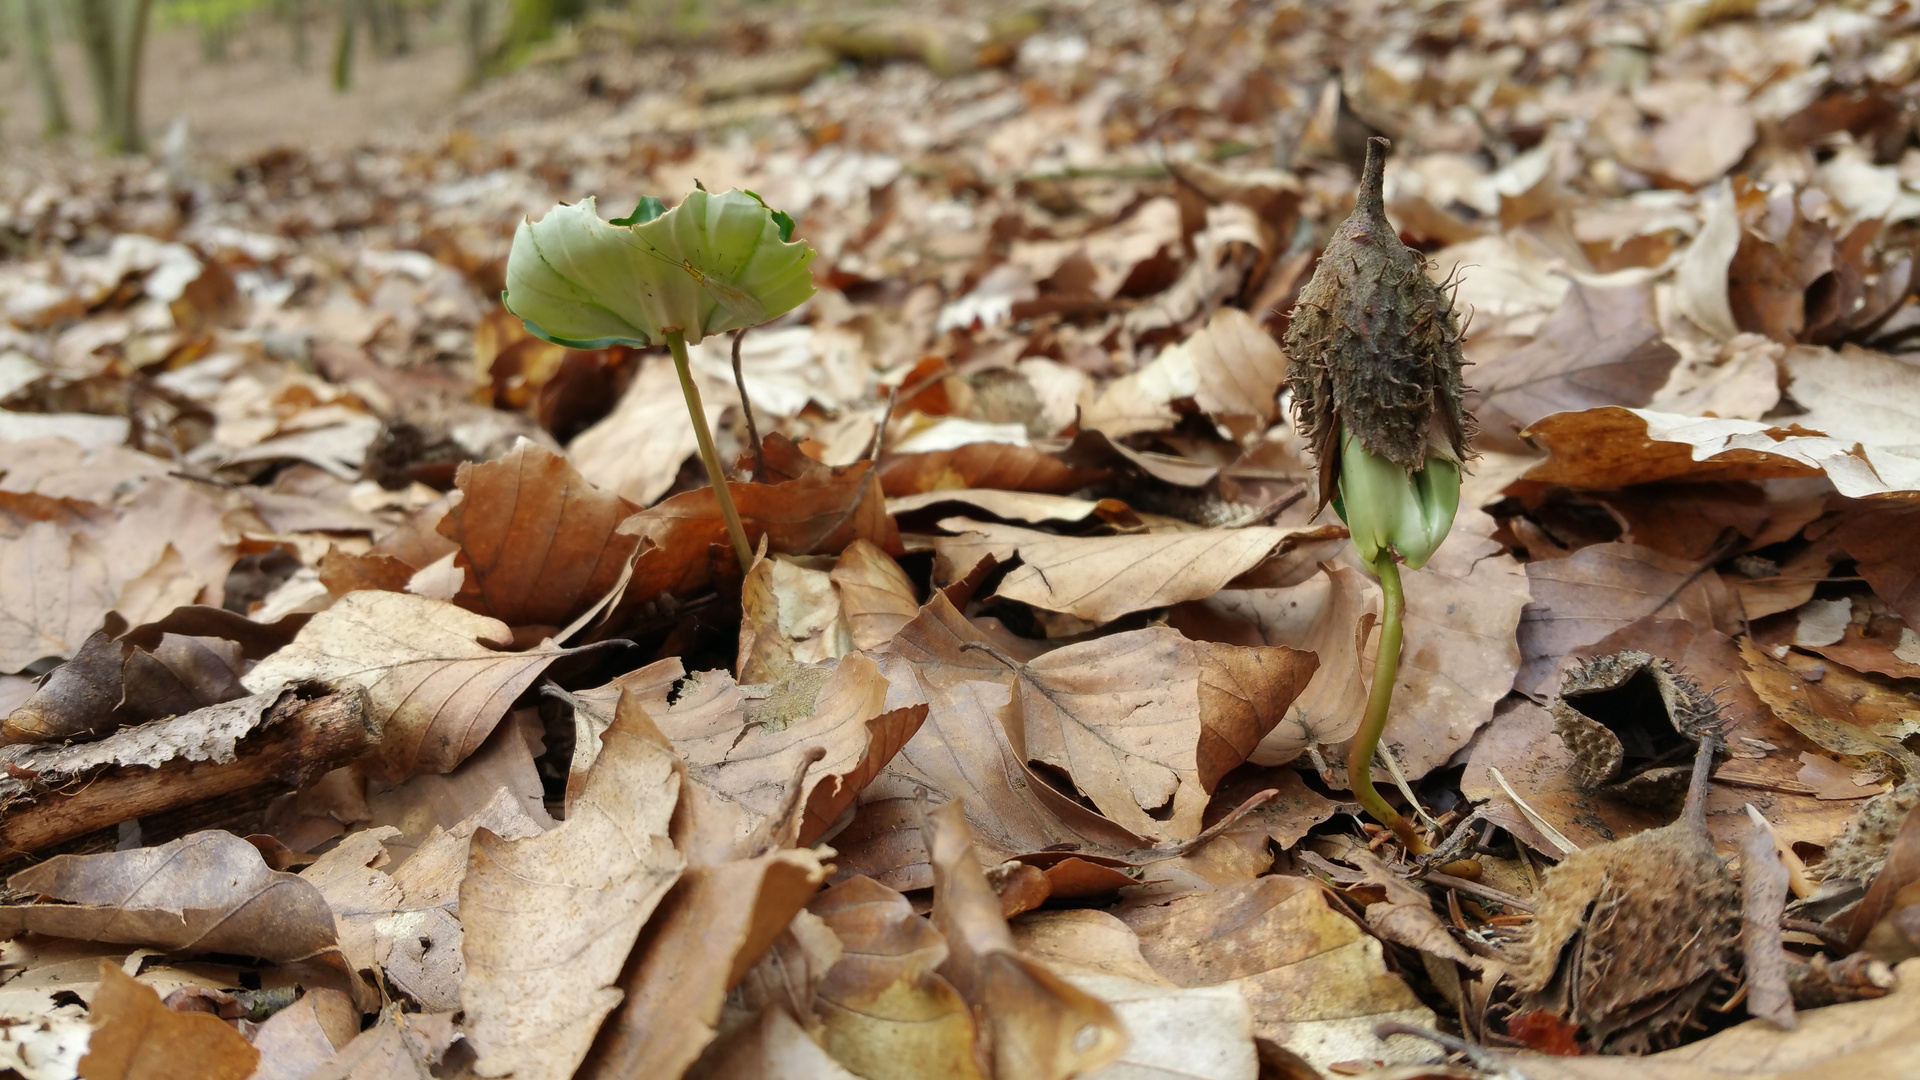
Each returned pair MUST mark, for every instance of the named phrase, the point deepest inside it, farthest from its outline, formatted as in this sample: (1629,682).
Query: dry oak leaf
(389,1050)
(205,892)
(54,590)
(537,540)
(886,1014)
(296,1041)
(1600,347)
(817,514)
(745,749)
(1317,982)
(135,1037)
(1612,447)
(1038,1024)
(112,683)
(436,688)
(1582,598)
(1100,578)
(549,920)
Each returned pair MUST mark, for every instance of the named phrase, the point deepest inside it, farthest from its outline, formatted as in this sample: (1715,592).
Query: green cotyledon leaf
(711,264)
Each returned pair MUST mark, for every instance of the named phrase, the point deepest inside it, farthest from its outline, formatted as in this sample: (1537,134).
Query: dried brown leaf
(537,540)
(1316,982)
(876,596)
(54,590)
(137,1038)
(206,892)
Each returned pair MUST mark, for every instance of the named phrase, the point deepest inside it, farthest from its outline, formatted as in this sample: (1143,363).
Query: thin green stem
(1379,701)
(677,344)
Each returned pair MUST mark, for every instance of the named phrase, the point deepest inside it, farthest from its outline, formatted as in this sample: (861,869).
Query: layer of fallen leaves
(382,697)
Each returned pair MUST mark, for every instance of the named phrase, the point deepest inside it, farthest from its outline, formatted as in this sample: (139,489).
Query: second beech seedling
(657,276)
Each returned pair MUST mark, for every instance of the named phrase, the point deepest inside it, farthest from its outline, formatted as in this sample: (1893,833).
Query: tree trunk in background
(476,29)
(53,105)
(343,47)
(295,12)
(113,35)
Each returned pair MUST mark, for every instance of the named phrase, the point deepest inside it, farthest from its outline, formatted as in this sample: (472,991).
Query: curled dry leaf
(1612,447)
(206,892)
(436,688)
(537,541)
(136,1037)
(745,750)
(1317,983)
(885,1012)
(537,984)
(790,616)
(1231,368)
(112,683)
(1038,1025)
(1100,578)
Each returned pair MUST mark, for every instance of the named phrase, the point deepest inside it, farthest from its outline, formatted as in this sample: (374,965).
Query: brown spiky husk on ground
(1631,937)
(1375,345)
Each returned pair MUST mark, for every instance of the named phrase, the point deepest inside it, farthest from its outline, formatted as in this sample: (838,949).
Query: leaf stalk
(1379,701)
(677,345)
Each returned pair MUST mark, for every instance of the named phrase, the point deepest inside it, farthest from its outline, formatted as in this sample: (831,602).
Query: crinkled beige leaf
(549,920)
(790,616)
(436,687)
(774,1047)
(746,750)
(1316,981)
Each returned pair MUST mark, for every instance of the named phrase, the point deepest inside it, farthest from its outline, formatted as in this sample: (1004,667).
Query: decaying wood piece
(55,793)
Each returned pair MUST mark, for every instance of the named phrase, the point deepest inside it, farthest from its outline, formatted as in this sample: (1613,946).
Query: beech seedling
(711,264)
(1375,373)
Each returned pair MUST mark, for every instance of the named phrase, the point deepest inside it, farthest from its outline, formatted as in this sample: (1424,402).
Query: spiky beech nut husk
(1375,346)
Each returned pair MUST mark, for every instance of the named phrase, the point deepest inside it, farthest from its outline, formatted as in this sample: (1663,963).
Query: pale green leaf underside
(711,264)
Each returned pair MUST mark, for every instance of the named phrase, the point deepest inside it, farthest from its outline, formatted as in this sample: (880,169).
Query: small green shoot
(713,263)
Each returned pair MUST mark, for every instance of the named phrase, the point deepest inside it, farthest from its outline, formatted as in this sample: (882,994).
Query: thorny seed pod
(1375,370)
